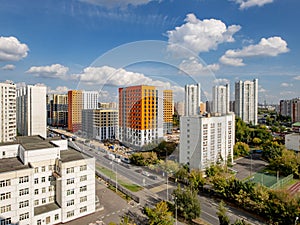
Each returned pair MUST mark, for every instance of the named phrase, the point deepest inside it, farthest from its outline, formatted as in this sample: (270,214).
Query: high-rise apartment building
(192,99)
(57,107)
(290,108)
(90,99)
(140,115)
(220,99)
(45,182)
(168,111)
(8,127)
(100,124)
(206,140)
(246,100)
(31,110)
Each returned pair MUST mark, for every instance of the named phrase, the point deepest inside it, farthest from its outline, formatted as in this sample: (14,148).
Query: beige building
(44,182)
(8,126)
(168,111)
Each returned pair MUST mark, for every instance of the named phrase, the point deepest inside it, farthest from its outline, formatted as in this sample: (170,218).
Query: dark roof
(72,155)
(11,164)
(45,208)
(34,142)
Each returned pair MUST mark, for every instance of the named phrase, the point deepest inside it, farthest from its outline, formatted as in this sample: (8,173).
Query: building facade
(246,100)
(100,124)
(207,140)
(179,107)
(90,99)
(292,141)
(220,99)
(45,182)
(290,108)
(75,106)
(168,111)
(192,99)
(8,117)
(140,115)
(57,110)
(31,110)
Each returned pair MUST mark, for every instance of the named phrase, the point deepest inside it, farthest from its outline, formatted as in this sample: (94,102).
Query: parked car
(145,173)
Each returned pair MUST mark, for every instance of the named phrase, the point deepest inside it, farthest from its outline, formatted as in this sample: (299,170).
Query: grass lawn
(112,175)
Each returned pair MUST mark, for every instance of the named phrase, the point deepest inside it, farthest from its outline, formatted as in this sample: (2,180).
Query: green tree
(196,180)
(256,141)
(212,170)
(241,149)
(144,158)
(271,150)
(188,204)
(160,214)
(223,218)
(182,173)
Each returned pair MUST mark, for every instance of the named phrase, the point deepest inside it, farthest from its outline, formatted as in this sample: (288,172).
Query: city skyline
(103,45)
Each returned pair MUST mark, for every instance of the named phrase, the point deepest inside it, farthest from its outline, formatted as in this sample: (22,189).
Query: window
(82,168)
(43,190)
(36,169)
(71,202)
(70,170)
(5,208)
(70,213)
(43,200)
(24,216)
(50,167)
(43,168)
(51,198)
(56,216)
(36,180)
(49,178)
(4,183)
(23,179)
(51,188)
(23,204)
(36,191)
(83,188)
(36,202)
(39,222)
(43,179)
(5,221)
(70,181)
(70,192)
(24,191)
(4,196)
(83,199)
(47,219)
(83,178)
(83,209)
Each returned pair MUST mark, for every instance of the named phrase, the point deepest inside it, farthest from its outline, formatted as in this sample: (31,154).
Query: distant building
(90,99)
(100,124)
(140,115)
(192,99)
(45,182)
(179,107)
(290,108)
(8,115)
(107,105)
(206,140)
(220,99)
(57,110)
(292,141)
(168,111)
(31,110)
(246,100)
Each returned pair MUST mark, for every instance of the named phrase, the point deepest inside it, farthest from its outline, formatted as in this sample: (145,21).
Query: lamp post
(296,220)
(175,210)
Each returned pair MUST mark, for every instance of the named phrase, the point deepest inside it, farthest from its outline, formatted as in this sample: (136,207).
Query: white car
(145,173)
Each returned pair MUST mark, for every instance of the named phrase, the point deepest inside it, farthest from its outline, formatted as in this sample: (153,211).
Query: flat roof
(72,155)
(34,142)
(11,164)
(45,208)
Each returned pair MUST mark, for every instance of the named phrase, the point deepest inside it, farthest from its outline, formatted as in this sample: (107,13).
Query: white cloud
(262,90)
(221,81)
(286,85)
(116,3)
(11,49)
(192,66)
(297,78)
(244,4)
(287,93)
(9,67)
(53,71)
(58,90)
(200,35)
(272,46)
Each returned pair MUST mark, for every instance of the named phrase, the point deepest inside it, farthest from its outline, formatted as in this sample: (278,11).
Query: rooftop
(45,208)
(34,142)
(11,164)
(72,155)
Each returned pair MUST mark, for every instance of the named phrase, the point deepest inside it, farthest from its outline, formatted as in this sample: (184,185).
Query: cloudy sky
(105,44)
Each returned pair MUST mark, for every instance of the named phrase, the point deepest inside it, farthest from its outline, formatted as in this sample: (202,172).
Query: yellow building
(168,111)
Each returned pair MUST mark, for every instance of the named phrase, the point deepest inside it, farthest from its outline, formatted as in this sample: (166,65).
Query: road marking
(210,215)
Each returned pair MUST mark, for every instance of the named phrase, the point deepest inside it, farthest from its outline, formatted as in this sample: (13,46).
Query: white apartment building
(220,99)
(206,140)
(90,99)
(246,100)
(8,126)
(100,124)
(32,110)
(292,141)
(44,182)
(192,99)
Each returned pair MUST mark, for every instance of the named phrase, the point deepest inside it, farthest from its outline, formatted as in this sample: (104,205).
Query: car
(145,173)
(153,177)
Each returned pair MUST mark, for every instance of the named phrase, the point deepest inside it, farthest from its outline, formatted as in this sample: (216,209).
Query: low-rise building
(44,182)
(292,141)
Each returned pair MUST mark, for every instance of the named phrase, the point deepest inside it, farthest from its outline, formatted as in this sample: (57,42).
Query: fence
(282,182)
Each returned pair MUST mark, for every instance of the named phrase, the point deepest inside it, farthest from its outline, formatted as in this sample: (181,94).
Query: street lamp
(296,220)
(175,200)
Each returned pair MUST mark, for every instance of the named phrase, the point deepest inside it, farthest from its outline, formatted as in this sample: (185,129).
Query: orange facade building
(75,106)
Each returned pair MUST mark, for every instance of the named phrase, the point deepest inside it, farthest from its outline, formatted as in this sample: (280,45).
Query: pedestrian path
(159,188)
(294,188)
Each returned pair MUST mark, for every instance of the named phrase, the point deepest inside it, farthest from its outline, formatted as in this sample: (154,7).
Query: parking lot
(246,167)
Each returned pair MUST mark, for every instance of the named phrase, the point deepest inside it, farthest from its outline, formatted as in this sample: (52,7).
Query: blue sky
(104,44)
